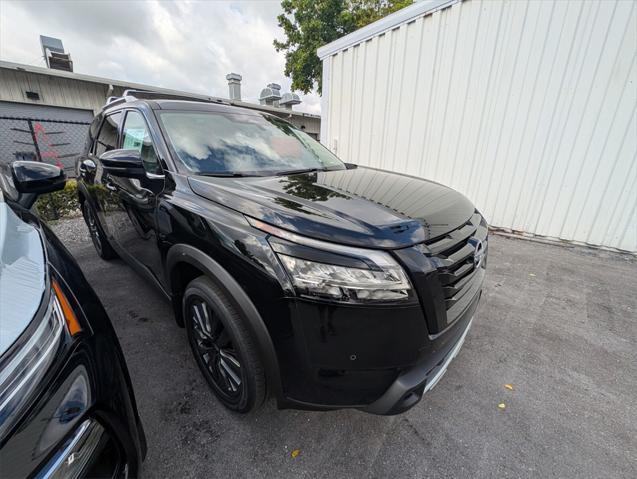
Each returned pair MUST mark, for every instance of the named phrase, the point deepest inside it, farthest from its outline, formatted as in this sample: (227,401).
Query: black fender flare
(183,253)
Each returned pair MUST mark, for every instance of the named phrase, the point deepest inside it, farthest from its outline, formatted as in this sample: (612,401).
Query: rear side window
(92,135)
(107,139)
(136,137)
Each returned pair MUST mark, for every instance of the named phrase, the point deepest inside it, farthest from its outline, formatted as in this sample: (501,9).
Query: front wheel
(223,347)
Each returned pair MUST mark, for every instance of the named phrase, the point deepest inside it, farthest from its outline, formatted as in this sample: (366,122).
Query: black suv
(323,284)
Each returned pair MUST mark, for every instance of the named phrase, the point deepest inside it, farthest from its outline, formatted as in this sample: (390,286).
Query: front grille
(459,258)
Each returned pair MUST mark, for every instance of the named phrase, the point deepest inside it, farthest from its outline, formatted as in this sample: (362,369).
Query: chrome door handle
(88,165)
(111,187)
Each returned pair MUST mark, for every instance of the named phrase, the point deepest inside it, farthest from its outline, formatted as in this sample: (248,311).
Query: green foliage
(59,204)
(369,11)
(310,24)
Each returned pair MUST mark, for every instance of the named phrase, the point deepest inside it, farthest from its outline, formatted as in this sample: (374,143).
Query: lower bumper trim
(410,386)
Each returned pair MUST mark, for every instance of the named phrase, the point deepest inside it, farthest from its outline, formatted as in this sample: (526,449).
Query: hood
(22,275)
(359,207)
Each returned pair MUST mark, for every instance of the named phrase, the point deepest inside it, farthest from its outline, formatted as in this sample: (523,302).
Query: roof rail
(132,95)
(112,101)
(149,95)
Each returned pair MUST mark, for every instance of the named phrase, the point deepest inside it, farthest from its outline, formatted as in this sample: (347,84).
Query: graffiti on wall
(49,141)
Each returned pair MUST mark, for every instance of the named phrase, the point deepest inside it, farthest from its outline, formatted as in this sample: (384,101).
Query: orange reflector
(71,320)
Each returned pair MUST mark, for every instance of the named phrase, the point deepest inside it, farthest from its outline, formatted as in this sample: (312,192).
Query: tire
(102,247)
(223,347)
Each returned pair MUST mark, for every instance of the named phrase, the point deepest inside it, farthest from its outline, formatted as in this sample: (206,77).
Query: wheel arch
(84,195)
(183,262)
(81,192)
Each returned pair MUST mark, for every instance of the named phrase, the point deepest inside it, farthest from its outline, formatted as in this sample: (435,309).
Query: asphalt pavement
(558,324)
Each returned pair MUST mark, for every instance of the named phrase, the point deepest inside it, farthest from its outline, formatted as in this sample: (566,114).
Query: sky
(186,45)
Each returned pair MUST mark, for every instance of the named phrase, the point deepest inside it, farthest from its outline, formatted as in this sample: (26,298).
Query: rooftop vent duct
(234,86)
(53,51)
(270,95)
(289,99)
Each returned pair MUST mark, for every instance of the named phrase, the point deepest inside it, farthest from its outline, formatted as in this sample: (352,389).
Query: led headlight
(346,284)
(338,272)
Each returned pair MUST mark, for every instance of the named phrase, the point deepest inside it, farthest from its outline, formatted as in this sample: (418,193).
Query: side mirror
(32,177)
(124,163)
(350,166)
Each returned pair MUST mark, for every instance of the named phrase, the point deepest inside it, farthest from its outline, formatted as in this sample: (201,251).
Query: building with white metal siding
(526,107)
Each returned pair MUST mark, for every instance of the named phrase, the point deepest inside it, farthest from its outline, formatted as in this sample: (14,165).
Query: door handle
(87,166)
(110,186)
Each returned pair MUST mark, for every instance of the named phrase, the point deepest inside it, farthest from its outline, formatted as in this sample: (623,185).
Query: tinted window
(136,137)
(107,139)
(210,142)
(92,135)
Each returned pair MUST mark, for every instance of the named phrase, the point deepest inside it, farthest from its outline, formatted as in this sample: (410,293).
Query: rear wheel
(223,346)
(102,246)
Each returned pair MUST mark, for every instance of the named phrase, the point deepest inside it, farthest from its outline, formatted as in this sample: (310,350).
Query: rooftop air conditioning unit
(55,56)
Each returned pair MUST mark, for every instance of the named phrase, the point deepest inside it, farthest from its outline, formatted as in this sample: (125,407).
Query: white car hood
(22,275)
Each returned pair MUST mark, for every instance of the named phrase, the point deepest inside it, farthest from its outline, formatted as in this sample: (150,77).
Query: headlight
(338,272)
(346,284)
(26,363)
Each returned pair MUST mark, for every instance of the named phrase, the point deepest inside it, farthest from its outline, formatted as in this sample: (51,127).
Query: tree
(310,24)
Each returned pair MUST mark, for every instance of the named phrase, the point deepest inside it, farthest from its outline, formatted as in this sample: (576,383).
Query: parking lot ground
(559,324)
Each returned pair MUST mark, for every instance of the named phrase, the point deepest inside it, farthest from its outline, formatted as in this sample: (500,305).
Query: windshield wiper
(302,170)
(227,174)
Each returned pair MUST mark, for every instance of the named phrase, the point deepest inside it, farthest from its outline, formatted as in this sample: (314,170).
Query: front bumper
(398,361)
(411,386)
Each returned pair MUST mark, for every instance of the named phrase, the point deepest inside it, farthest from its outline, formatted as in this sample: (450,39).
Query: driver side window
(135,136)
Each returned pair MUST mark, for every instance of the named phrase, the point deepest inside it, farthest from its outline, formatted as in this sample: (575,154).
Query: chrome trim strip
(83,443)
(443,369)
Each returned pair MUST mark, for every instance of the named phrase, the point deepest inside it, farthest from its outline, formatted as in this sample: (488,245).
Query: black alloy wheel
(223,346)
(215,348)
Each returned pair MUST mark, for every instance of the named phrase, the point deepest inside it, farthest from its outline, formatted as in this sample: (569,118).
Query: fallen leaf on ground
(509,387)
(531,274)
(296,452)
(502,406)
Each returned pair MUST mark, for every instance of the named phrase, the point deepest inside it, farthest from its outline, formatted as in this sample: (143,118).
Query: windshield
(211,143)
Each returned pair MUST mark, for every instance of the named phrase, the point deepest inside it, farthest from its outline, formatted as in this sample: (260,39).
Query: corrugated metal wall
(53,91)
(527,107)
